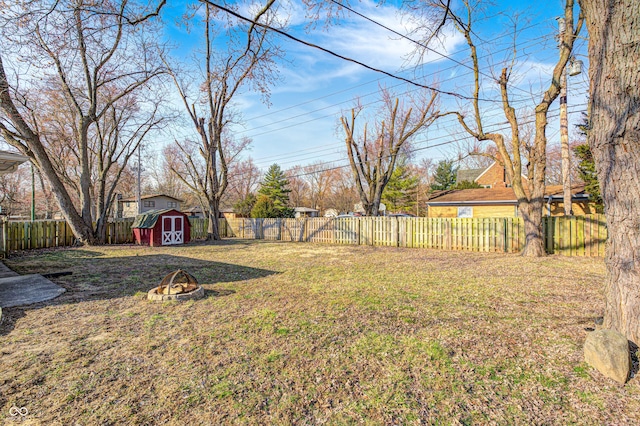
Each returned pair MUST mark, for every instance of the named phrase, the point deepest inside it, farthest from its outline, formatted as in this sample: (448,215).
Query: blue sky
(300,125)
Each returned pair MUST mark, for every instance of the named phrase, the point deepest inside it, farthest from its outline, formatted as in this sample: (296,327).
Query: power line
(456,138)
(337,145)
(531,41)
(339,56)
(424,46)
(513,101)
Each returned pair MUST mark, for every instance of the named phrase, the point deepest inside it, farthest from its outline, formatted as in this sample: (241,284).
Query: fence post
(504,235)
(5,233)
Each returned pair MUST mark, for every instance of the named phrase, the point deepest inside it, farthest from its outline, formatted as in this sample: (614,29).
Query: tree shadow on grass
(97,277)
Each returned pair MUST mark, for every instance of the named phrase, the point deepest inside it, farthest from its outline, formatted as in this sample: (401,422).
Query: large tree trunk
(531,213)
(31,146)
(213,231)
(614,138)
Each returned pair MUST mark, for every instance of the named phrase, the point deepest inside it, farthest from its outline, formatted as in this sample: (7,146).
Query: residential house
(195,212)
(305,212)
(128,207)
(494,176)
(225,213)
(10,161)
(496,198)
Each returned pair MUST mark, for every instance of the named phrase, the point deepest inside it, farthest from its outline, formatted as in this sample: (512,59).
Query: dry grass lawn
(293,333)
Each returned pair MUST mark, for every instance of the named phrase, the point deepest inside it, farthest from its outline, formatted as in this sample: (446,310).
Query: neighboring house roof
(149,219)
(10,161)
(469,175)
(481,175)
(304,210)
(497,195)
(476,195)
(146,197)
(556,191)
(198,209)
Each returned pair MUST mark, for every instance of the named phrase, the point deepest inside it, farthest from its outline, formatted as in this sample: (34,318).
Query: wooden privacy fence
(57,233)
(565,235)
(570,236)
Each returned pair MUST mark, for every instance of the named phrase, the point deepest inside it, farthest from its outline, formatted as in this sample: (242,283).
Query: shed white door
(172,230)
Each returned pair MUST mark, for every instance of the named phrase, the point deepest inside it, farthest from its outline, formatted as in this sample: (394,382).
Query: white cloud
(376,46)
(287,12)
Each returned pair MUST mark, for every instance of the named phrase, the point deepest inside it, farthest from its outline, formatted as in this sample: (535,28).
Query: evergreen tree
(588,174)
(401,190)
(264,208)
(275,187)
(244,206)
(445,176)
(467,184)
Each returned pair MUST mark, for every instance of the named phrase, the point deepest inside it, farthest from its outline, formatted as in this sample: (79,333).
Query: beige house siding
(494,211)
(130,208)
(477,211)
(580,208)
(442,211)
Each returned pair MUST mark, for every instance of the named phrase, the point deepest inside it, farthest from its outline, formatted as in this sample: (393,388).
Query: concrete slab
(6,272)
(27,289)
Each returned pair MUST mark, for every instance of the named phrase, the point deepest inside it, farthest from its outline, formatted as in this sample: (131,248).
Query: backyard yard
(299,333)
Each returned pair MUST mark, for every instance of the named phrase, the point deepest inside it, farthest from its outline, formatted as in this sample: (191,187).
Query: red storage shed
(161,228)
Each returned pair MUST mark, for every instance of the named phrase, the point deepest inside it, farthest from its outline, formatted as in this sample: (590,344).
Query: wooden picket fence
(57,233)
(569,236)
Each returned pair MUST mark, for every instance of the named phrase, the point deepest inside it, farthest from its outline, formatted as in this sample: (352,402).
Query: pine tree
(244,206)
(467,184)
(264,208)
(400,192)
(275,188)
(445,176)
(588,174)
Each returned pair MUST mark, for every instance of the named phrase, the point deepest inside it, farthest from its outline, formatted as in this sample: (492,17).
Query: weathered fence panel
(575,235)
(564,235)
(569,236)
(55,233)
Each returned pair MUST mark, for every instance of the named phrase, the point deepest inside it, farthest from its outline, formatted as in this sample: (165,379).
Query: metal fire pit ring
(178,285)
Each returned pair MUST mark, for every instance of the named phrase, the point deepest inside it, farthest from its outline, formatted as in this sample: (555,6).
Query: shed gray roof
(148,220)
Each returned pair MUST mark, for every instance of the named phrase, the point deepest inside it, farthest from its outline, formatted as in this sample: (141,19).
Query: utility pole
(575,68)
(139,193)
(564,146)
(33,194)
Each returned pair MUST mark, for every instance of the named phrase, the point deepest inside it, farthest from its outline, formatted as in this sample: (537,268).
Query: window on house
(465,211)
(148,203)
(127,204)
(172,205)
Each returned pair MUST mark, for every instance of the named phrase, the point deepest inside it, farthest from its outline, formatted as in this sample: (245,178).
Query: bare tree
(100,57)
(513,147)
(248,61)
(373,156)
(614,134)
(320,180)
(343,195)
(14,198)
(244,179)
(164,180)
(298,185)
